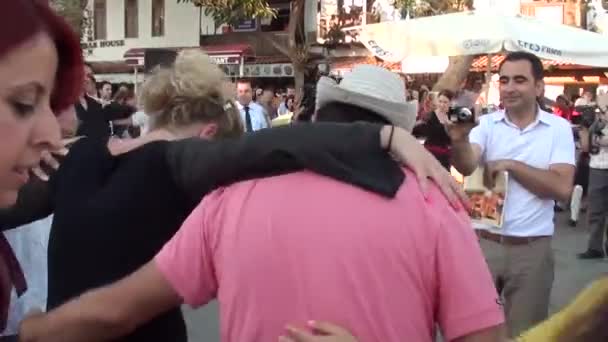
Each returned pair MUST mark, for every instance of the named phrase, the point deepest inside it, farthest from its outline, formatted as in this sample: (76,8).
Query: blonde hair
(193,90)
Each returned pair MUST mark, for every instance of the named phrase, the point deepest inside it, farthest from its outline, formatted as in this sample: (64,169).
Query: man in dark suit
(88,112)
(95,119)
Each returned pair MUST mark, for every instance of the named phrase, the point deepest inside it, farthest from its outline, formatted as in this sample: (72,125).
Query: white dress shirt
(141,120)
(257,115)
(547,141)
(30,245)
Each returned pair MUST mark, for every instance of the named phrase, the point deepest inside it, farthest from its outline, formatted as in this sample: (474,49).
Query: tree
(75,12)
(297,49)
(231,11)
(458,67)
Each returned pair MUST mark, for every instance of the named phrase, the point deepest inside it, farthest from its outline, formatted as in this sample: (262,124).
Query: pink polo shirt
(297,247)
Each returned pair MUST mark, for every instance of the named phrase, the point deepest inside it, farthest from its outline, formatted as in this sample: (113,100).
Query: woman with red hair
(41,74)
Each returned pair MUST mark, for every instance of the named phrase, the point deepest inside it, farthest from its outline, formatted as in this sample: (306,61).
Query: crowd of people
(341,230)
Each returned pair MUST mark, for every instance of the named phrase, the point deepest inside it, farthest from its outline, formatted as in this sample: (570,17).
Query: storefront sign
(102,44)
(226,60)
(245,26)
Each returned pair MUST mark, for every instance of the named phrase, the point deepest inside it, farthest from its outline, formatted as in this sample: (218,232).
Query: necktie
(248,126)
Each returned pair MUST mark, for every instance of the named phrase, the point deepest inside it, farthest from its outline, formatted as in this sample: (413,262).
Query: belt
(509,240)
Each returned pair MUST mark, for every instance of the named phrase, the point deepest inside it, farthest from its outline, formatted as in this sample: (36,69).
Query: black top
(95,120)
(92,123)
(114,213)
(437,140)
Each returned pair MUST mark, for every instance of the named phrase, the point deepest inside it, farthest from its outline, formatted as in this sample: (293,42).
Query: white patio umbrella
(475,33)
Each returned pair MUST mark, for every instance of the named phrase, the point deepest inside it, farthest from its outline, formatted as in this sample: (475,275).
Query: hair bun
(193,90)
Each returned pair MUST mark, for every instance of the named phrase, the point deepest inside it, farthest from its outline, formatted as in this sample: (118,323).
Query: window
(131,20)
(99,19)
(158,18)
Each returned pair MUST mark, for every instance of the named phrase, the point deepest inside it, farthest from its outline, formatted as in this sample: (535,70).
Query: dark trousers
(598,208)
(581,177)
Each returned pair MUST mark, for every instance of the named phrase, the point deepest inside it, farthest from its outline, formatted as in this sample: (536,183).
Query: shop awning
(114,67)
(212,50)
(228,49)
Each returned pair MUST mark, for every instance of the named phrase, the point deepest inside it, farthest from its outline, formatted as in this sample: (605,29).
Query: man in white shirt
(252,114)
(536,148)
(586,100)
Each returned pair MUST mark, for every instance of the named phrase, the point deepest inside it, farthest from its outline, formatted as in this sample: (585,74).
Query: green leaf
(232,11)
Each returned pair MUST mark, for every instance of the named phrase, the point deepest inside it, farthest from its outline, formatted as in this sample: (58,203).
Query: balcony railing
(568,13)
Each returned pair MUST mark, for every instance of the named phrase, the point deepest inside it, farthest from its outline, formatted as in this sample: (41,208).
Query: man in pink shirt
(301,246)
(287,249)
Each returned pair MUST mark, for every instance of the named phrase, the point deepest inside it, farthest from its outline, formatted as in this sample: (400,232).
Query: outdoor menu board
(487,205)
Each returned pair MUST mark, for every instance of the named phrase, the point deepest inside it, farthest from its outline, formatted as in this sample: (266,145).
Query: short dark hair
(289,97)
(447,93)
(347,113)
(103,83)
(538,71)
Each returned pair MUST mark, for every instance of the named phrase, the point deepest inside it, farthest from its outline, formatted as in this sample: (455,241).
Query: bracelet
(390,139)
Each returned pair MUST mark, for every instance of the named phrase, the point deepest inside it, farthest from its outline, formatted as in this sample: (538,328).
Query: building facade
(120,26)
(123,32)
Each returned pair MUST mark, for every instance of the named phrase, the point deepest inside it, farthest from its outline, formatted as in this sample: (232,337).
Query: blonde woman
(117,203)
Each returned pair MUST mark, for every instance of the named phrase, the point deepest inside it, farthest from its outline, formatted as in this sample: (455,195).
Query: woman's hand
(321,332)
(412,154)
(50,158)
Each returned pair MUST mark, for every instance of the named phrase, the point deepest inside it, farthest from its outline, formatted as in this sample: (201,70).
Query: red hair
(20,20)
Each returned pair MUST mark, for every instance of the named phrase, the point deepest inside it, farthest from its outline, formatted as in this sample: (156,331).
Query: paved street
(571,276)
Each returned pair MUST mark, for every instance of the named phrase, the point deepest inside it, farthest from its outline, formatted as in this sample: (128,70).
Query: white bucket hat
(373,88)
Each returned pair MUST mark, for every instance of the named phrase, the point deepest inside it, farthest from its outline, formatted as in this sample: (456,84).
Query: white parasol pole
(135,80)
(488,77)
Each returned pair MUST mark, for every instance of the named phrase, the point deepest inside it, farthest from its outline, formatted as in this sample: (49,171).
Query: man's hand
(492,169)
(321,332)
(459,132)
